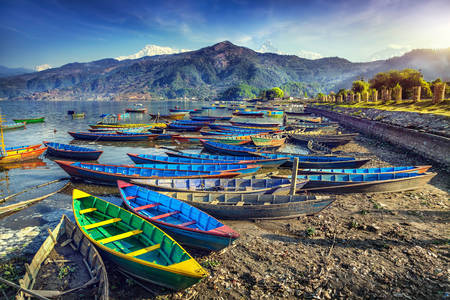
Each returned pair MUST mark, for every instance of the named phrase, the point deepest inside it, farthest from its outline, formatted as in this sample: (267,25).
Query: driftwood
(21,205)
(29,189)
(31,292)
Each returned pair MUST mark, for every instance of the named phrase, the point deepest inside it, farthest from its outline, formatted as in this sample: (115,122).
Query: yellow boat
(150,125)
(21,155)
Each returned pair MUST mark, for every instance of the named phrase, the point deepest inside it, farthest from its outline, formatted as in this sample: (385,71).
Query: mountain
(151,50)
(207,72)
(5,71)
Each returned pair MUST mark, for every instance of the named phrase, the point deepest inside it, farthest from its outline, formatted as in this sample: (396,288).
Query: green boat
(28,121)
(10,126)
(138,247)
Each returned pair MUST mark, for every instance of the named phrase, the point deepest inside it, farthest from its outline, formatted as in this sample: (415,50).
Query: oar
(167,148)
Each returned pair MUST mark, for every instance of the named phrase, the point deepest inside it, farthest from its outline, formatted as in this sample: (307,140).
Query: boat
(22,148)
(177,127)
(136,108)
(382,170)
(248,124)
(20,155)
(249,206)
(270,141)
(316,147)
(256,114)
(263,161)
(119,126)
(180,110)
(188,225)
(224,127)
(71,151)
(135,245)
(228,149)
(172,116)
(210,118)
(200,168)
(74,252)
(78,115)
(11,126)
(120,137)
(221,186)
(28,121)
(232,133)
(328,140)
(192,123)
(364,183)
(320,162)
(107,174)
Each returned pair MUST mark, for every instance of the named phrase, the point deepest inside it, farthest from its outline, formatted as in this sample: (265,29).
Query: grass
(423,106)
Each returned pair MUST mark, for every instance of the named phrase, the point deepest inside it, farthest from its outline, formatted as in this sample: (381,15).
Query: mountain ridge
(208,71)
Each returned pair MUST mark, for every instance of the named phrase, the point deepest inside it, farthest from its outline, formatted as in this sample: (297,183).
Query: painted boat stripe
(144,250)
(165,215)
(146,206)
(102,223)
(119,236)
(87,210)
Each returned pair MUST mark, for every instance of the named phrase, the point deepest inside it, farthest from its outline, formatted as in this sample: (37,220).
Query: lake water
(23,231)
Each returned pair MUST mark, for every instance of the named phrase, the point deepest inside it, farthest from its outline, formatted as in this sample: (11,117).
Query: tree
(360,86)
(277,92)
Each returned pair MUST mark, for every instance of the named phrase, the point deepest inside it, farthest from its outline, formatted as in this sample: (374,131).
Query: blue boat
(247,124)
(364,183)
(192,123)
(181,110)
(221,186)
(120,137)
(229,149)
(225,133)
(202,168)
(177,127)
(107,174)
(237,128)
(383,170)
(263,161)
(209,118)
(186,224)
(71,151)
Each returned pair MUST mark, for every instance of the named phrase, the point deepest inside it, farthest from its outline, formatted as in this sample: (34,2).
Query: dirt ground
(365,246)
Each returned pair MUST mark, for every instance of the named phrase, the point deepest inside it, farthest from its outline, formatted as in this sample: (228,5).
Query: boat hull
(113,137)
(22,155)
(72,154)
(28,121)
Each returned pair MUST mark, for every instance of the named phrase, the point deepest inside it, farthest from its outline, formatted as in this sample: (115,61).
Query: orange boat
(22,148)
(21,155)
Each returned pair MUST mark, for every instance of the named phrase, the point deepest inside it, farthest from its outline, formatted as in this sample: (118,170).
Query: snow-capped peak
(150,50)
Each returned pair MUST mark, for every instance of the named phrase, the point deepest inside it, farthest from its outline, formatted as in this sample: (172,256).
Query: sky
(56,32)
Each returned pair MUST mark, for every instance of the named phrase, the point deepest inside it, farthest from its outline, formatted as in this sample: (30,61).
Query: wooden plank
(118,237)
(87,210)
(166,215)
(187,223)
(102,223)
(146,206)
(294,176)
(145,250)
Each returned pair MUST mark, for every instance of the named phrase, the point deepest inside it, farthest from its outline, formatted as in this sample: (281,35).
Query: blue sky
(57,32)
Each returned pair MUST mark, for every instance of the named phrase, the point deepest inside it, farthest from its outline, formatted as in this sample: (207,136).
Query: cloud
(268,47)
(42,67)
(390,51)
(309,54)
(151,50)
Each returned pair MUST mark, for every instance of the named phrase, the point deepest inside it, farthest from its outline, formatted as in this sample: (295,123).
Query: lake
(17,230)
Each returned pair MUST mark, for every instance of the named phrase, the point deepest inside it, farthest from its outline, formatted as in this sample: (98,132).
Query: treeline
(289,89)
(392,85)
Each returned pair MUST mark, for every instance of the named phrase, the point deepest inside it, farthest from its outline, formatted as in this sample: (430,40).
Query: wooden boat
(120,137)
(228,149)
(382,170)
(11,126)
(78,115)
(21,155)
(272,141)
(262,125)
(118,126)
(316,147)
(256,114)
(135,245)
(22,148)
(320,162)
(188,225)
(223,127)
(71,151)
(180,110)
(192,123)
(28,121)
(328,140)
(248,206)
(177,127)
(364,183)
(172,116)
(242,169)
(263,161)
(137,108)
(210,118)
(221,186)
(107,174)
(69,243)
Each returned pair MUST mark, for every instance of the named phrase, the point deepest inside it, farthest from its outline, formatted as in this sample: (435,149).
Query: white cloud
(308,54)
(390,51)
(268,47)
(42,67)
(151,50)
